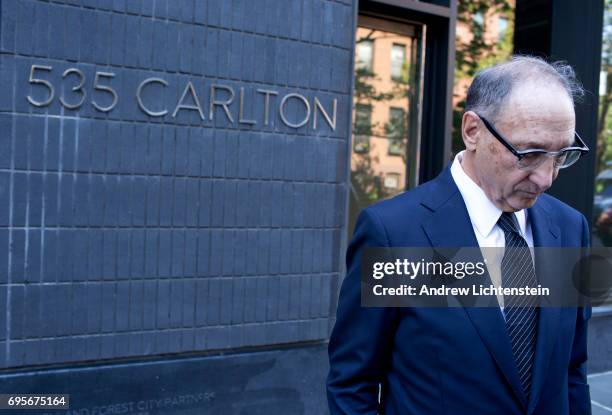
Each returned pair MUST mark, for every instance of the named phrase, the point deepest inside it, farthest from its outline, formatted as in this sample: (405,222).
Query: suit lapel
(545,234)
(450,226)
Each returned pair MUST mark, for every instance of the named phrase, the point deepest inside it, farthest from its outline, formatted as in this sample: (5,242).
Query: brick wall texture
(124,234)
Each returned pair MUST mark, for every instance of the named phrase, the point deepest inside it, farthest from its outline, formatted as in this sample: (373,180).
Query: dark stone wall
(170,223)
(284,381)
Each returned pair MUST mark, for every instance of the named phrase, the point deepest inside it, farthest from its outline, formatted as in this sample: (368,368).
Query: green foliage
(368,187)
(365,91)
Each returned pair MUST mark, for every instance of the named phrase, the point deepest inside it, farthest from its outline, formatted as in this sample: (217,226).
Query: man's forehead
(541,120)
(533,102)
(536,123)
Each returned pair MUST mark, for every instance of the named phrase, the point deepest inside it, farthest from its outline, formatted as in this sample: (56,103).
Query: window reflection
(502,28)
(392,180)
(385,117)
(395,130)
(398,62)
(365,51)
(363,128)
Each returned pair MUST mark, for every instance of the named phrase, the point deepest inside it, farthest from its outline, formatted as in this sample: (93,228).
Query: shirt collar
(483,213)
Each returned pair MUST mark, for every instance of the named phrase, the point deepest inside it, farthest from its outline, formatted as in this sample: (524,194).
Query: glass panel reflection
(601,233)
(602,209)
(387,94)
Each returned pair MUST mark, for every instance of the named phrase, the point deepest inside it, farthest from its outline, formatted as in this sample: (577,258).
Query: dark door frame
(439,18)
(438,74)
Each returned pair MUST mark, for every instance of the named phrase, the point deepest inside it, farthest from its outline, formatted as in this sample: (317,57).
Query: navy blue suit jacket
(455,360)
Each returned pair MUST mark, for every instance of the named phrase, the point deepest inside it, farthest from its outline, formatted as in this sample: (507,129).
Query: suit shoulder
(408,203)
(560,209)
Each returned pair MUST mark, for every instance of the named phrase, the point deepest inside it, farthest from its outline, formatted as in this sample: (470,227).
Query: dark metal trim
(420,6)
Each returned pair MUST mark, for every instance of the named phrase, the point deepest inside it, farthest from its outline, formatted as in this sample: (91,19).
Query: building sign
(217,99)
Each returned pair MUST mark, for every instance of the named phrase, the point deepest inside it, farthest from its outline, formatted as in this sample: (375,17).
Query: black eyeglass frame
(521,154)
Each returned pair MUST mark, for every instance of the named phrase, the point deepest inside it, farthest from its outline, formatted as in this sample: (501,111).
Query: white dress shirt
(484,216)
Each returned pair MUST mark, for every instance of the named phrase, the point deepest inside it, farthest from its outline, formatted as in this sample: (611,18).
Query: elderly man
(519,131)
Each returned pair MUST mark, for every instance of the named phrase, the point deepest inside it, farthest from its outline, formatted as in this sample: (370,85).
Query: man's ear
(470,130)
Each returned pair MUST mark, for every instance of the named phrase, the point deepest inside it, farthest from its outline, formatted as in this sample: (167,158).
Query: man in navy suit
(519,131)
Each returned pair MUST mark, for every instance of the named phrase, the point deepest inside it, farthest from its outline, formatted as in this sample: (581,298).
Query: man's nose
(544,175)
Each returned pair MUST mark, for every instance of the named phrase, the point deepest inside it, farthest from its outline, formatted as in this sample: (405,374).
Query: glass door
(386,111)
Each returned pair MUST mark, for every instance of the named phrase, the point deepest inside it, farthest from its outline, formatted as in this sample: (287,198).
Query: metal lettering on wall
(188,101)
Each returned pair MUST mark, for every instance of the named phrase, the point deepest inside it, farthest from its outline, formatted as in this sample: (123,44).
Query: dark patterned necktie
(517,270)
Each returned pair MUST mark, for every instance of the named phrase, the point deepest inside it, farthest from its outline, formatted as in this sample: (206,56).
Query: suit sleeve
(360,343)
(579,396)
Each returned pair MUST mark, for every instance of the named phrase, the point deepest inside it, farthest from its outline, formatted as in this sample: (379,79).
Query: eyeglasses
(533,158)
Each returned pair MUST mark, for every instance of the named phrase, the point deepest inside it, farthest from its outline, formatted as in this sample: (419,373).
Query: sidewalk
(601,393)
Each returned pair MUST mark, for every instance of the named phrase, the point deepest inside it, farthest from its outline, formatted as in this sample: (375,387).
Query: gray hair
(491,86)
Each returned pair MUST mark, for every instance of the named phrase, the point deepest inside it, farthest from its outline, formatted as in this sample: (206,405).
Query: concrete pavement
(601,393)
